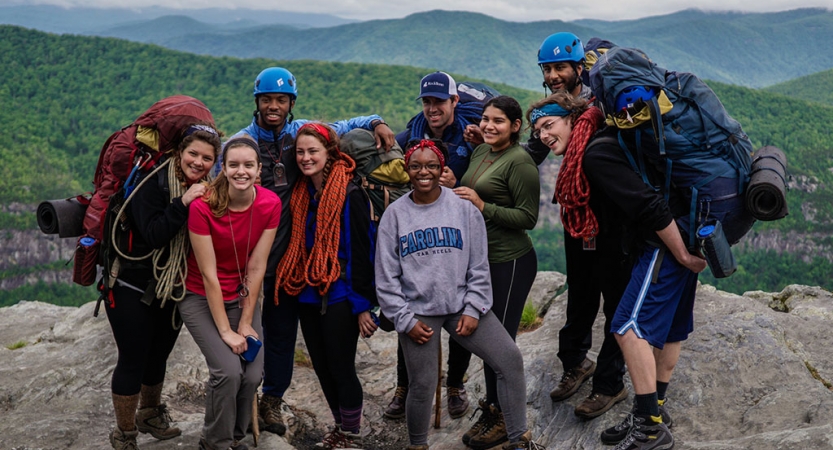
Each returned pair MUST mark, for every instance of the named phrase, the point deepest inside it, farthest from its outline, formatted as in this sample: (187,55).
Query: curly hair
(575,105)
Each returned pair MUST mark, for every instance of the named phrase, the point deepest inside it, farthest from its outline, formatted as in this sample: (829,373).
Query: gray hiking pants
(231,381)
(490,342)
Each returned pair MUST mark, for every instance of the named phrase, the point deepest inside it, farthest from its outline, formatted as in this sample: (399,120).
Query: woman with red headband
(328,266)
(432,272)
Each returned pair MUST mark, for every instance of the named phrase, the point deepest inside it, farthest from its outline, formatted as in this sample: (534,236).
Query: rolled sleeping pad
(63,217)
(766,195)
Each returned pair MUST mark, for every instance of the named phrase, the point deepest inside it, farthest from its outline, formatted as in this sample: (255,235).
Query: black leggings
(331,340)
(511,282)
(144,336)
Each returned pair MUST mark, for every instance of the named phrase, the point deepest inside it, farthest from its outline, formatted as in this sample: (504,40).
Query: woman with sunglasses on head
(433,272)
(328,266)
(145,326)
(502,183)
(231,232)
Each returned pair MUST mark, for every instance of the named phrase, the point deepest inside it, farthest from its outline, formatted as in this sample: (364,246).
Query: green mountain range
(63,95)
(817,87)
(747,49)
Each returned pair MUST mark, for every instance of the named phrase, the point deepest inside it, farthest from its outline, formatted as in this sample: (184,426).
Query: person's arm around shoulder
(384,135)
(478,299)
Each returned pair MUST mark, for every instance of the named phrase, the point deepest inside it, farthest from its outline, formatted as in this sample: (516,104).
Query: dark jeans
(590,275)
(458,363)
(280,328)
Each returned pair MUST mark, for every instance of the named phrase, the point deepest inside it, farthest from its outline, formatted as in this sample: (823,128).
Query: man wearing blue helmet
(275,92)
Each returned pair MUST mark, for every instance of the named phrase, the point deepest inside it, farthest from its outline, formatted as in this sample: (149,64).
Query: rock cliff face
(755,374)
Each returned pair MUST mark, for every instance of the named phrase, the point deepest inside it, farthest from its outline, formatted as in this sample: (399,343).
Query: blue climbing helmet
(632,94)
(276,80)
(559,47)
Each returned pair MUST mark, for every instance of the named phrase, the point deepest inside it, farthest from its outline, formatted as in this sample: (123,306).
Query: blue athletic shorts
(658,304)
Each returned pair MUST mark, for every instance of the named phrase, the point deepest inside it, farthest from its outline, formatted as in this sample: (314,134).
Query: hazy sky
(515,10)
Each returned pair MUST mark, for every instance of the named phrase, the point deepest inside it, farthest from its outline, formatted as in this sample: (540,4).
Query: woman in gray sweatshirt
(432,271)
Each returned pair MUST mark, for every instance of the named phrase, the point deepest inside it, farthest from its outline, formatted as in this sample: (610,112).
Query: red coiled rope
(572,191)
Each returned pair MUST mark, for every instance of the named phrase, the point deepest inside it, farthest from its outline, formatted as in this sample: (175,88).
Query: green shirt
(508,184)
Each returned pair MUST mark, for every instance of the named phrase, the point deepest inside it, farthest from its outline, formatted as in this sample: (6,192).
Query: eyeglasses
(545,127)
(419,167)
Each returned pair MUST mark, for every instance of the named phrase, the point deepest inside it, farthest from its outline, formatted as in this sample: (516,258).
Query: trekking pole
(255,425)
(438,408)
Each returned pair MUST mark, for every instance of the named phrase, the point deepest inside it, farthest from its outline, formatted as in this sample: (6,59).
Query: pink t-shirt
(265,215)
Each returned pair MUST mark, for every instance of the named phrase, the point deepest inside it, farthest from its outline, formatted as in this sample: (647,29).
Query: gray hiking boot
(124,440)
(156,421)
(646,434)
(618,432)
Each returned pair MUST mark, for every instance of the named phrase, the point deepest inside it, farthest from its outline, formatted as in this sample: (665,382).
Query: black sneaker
(646,434)
(616,433)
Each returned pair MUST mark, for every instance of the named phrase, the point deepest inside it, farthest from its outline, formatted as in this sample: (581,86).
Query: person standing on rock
(432,272)
(597,261)
(231,233)
(328,267)
(274,129)
(144,325)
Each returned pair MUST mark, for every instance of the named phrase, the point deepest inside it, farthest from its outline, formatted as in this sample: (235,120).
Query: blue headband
(553,109)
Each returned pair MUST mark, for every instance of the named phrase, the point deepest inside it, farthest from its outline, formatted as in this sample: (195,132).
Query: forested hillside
(817,87)
(62,96)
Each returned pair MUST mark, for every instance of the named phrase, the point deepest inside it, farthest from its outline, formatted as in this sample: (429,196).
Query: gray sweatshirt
(432,260)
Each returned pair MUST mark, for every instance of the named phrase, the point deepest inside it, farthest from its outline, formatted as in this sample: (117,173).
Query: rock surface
(753,375)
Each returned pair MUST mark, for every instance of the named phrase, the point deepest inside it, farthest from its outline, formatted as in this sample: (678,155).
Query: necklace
(475,176)
(242,288)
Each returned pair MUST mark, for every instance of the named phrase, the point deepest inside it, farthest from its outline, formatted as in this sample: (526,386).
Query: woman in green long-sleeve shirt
(502,182)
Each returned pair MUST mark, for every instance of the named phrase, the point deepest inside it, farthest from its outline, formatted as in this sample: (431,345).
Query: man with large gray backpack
(670,130)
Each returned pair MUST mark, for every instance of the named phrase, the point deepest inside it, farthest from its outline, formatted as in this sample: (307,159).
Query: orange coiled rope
(572,190)
(320,267)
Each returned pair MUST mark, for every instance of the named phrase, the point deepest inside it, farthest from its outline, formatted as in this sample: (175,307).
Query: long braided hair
(572,190)
(320,266)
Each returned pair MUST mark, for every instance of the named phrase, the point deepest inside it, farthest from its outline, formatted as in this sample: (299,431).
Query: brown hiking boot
(524,443)
(156,421)
(597,404)
(458,402)
(269,410)
(396,408)
(485,418)
(492,434)
(124,440)
(572,379)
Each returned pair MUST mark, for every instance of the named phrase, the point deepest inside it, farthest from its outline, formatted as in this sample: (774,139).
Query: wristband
(381,122)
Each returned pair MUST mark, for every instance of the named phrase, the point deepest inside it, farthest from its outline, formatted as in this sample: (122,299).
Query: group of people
(282,235)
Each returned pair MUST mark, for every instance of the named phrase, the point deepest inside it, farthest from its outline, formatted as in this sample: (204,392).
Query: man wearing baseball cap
(443,117)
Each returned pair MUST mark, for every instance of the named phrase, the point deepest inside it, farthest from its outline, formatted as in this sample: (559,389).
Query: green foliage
(549,246)
(16,345)
(17,221)
(770,272)
(54,293)
(817,87)
(529,318)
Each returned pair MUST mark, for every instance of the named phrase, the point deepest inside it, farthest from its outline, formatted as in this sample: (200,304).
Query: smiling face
(554,132)
(424,169)
(273,110)
(562,75)
(241,167)
(439,113)
(311,156)
(196,160)
(497,128)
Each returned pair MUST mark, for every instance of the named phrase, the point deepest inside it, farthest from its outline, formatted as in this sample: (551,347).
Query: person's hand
(473,134)
(384,136)
(469,194)
(420,333)
(447,178)
(246,330)
(366,324)
(194,192)
(235,341)
(467,325)
(694,263)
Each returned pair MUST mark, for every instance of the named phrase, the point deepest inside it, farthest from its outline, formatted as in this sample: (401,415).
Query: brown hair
(200,135)
(576,106)
(218,198)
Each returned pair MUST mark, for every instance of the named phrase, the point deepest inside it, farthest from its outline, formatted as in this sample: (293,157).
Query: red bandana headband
(425,144)
(319,128)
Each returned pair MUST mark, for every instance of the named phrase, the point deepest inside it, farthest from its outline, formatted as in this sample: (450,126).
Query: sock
(351,419)
(151,396)
(647,406)
(662,387)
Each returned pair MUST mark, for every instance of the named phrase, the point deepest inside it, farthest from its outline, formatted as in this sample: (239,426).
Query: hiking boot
(524,443)
(338,439)
(645,434)
(269,411)
(485,418)
(237,445)
(597,404)
(458,402)
(417,447)
(396,408)
(618,432)
(124,440)
(156,421)
(492,434)
(571,380)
